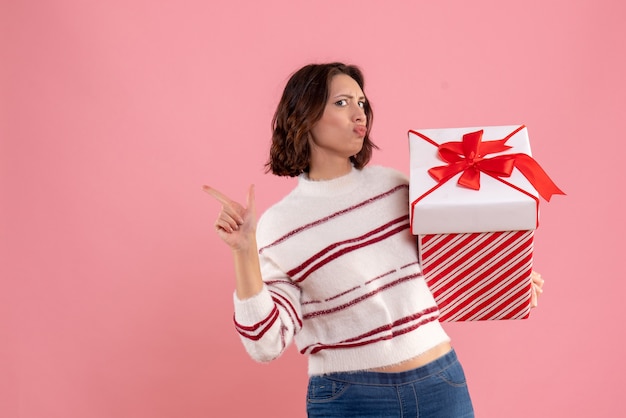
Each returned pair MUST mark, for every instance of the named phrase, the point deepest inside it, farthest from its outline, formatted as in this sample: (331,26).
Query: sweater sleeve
(268,321)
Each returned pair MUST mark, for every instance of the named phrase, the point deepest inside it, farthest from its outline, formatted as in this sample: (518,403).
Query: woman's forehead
(344,84)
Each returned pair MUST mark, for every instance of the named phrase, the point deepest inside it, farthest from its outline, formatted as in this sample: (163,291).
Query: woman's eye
(362,105)
(342,102)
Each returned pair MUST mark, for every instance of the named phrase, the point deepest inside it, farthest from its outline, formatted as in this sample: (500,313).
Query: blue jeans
(435,390)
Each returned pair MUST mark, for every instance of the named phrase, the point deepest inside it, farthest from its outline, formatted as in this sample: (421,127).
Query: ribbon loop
(468,157)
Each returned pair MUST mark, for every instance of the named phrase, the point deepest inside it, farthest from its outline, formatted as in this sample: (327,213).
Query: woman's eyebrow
(348,96)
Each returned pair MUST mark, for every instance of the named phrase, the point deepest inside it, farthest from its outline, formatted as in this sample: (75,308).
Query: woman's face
(342,128)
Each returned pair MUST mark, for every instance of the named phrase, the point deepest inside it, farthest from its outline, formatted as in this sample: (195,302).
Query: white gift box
(501,204)
(476,245)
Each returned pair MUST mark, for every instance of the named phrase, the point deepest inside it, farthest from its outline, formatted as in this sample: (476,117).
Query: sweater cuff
(251,310)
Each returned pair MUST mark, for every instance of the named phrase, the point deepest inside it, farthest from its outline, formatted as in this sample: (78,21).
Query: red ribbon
(468,156)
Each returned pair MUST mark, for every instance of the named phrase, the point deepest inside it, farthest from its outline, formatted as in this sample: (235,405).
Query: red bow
(468,157)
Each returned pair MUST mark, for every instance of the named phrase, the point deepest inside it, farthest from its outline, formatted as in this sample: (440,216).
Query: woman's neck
(330,170)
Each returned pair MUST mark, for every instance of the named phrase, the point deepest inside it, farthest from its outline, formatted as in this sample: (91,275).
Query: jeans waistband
(396,378)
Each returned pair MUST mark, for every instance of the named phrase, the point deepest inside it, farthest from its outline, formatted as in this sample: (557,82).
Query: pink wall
(115,297)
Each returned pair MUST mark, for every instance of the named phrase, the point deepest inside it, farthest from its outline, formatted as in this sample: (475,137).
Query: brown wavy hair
(301,106)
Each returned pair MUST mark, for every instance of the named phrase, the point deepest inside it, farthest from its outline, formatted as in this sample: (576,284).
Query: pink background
(115,296)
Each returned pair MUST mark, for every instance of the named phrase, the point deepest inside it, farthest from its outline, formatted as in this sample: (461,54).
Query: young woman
(333,265)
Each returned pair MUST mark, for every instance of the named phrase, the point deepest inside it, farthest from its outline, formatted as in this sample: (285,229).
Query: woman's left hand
(537,288)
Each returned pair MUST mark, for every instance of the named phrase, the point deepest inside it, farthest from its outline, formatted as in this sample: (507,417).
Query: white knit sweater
(341,277)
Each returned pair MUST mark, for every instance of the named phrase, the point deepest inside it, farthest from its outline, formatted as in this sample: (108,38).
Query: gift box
(474,204)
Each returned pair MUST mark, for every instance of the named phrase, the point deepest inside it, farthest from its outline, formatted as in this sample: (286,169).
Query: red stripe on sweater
(293,272)
(389,331)
(381,276)
(349,249)
(283,282)
(250,331)
(334,215)
(288,306)
(362,297)
(354,289)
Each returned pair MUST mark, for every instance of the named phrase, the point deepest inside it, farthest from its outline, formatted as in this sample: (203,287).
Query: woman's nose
(359,114)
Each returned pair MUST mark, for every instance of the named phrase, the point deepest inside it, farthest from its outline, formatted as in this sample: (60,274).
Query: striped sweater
(341,277)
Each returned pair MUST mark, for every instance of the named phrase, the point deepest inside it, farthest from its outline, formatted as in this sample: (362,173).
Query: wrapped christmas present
(474,206)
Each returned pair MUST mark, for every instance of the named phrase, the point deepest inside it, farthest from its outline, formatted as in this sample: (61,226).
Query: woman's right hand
(235,224)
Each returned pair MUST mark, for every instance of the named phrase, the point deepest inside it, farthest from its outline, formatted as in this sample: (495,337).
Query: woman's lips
(360,130)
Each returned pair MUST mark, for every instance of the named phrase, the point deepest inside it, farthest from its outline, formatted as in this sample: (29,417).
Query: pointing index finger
(222,198)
